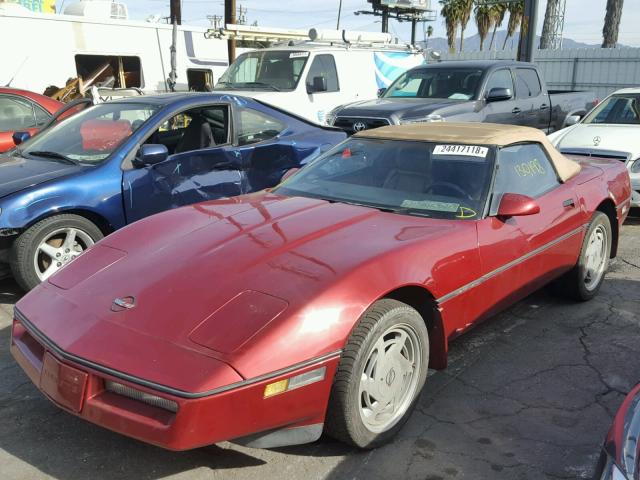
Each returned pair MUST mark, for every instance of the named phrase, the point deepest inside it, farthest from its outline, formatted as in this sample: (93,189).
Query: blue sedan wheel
(49,245)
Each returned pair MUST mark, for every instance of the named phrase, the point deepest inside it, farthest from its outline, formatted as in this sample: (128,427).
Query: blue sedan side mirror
(150,155)
(20,137)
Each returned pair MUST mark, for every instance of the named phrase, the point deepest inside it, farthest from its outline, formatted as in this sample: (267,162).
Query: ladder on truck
(345,38)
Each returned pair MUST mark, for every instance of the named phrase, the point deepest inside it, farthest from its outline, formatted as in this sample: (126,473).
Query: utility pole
(385,20)
(176,12)
(527,45)
(230,19)
(339,12)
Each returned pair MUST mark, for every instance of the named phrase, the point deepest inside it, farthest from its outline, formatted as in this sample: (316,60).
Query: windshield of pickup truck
(265,70)
(617,109)
(405,177)
(451,83)
(90,136)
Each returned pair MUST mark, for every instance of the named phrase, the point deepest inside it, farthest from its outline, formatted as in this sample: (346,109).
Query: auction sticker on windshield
(298,54)
(467,150)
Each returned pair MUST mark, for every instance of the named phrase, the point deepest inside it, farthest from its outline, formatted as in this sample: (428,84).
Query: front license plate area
(65,385)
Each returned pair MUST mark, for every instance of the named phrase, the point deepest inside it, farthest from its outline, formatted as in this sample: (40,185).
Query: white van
(313,77)
(43,49)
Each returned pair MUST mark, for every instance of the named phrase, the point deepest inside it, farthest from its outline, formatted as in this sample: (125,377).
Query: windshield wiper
(54,156)
(399,210)
(262,84)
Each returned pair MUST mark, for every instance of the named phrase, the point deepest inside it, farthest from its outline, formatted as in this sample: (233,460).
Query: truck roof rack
(313,37)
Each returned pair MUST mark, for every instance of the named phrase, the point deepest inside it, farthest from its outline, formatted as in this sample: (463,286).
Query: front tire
(583,281)
(48,245)
(380,376)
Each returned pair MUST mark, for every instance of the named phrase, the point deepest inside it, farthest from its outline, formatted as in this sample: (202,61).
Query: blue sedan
(117,162)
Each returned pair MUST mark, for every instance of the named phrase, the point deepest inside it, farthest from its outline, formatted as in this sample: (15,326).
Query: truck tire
(380,376)
(50,244)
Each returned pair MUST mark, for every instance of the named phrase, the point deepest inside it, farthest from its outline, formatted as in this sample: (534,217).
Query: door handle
(569,203)
(544,106)
(516,111)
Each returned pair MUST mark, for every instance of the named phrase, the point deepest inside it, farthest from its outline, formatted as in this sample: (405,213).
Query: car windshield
(265,70)
(407,177)
(89,136)
(617,109)
(452,83)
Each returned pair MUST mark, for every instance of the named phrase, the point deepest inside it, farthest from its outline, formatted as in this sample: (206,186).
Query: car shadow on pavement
(10,293)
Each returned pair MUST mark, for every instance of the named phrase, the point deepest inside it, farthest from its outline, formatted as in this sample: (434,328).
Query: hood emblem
(596,141)
(359,126)
(123,303)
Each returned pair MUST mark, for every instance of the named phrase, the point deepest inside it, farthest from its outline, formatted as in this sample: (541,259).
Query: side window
(42,117)
(524,169)
(256,127)
(193,129)
(15,114)
(199,80)
(500,79)
(527,83)
(324,66)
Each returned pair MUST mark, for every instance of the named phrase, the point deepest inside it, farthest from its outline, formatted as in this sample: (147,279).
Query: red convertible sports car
(269,318)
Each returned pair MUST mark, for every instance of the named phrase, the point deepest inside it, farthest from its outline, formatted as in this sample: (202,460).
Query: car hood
(210,276)
(600,138)
(401,107)
(18,173)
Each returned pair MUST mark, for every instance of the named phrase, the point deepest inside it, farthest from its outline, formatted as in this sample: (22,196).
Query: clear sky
(583,21)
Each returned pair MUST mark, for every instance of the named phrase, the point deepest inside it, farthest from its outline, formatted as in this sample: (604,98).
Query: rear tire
(49,245)
(381,374)
(583,281)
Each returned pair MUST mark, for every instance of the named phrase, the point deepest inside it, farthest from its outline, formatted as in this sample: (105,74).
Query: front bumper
(240,413)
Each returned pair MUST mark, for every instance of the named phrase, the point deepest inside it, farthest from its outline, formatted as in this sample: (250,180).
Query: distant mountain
(472,44)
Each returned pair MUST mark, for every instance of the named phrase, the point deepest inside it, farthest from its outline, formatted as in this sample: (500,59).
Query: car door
(323,86)
(500,111)
(191,173)
(532,102)
(519,254)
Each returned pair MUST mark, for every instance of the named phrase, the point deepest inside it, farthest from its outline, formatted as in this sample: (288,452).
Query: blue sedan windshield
(89,136)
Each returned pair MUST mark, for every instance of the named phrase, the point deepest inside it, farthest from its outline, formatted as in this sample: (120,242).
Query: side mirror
(572,120)
(20,137)
(516,205)
(381,92)
(319,84)
(150,155)
(288,174)
(499,94)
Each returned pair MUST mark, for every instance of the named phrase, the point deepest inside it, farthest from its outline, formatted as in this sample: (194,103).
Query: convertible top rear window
(410,177)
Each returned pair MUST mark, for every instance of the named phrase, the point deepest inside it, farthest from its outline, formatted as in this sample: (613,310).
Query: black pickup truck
(495,91)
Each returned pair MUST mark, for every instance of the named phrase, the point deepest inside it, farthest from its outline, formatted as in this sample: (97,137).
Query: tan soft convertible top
(476,134)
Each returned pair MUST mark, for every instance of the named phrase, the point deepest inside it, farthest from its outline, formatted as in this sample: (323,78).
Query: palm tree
(612,23)
(516,11)
(498,11)
(552,7)
(484,20)
(429,34)
(465,6)
(451,15)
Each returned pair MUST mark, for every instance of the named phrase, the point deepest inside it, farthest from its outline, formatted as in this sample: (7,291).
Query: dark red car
(269,318)
(620,456)
(23,111)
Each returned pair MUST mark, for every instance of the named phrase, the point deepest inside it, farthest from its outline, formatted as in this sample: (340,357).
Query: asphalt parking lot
(529,394)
